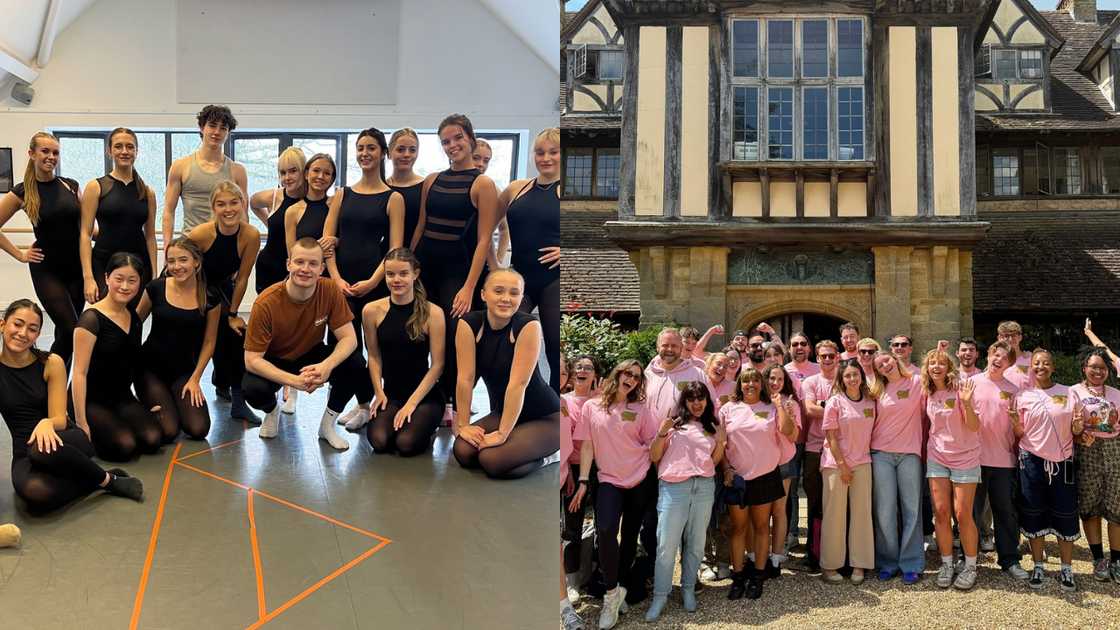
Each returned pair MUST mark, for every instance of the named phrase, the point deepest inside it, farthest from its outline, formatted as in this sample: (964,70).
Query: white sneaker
(327,432)
(612,601)
(1018,572)
(271,424)
(552,459)
(570,580)
(967,578)
(289,406)
(945,575)
(354,419)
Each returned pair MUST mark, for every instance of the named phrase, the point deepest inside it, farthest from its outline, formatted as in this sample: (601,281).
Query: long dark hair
(418,321)
(379,137)
(695,390)
(787,384)
(186,244)
(749,373)
(40,355)
(1090,352)
(838,381)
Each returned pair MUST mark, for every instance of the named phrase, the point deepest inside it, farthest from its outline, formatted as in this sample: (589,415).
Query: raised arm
(9,205)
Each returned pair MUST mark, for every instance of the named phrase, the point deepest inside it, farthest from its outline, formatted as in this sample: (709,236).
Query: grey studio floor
(342,540)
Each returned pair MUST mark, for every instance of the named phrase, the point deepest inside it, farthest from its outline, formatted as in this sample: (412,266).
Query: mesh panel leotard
(121,218)
(271,267)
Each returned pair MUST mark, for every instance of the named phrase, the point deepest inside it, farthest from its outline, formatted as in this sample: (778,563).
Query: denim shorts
(956,475)
(792,468)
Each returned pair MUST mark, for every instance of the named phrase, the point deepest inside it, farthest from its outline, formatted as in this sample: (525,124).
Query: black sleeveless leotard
(404,361)
(172,347)
(23,402)
(363,229)
(221,261)
(121,218)
(58,230)
(493,358)
(534,222)
(314,219)
(451,232)
(271,261)
(411,196)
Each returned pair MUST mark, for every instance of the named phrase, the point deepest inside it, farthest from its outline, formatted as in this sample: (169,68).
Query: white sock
(750,556)
(356,418)
(270,426)
(970,561)
(328,433)
(946,559)
(1064,566)
(777,559)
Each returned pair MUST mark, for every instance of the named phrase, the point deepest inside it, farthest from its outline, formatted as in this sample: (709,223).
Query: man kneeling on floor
(284,344)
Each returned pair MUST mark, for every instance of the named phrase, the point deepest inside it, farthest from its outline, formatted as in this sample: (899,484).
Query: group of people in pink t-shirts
(700,453)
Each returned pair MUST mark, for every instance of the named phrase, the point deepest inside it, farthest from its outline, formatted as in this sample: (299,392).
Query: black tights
(176,411)
(572,533)
(414,437)
(628,507)
(363,387)
(442,283)
(547,302)
(123,429)
(523,451)
(63,298)
(229,356)
(47,481)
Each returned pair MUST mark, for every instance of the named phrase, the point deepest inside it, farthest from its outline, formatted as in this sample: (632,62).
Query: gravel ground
(799,600)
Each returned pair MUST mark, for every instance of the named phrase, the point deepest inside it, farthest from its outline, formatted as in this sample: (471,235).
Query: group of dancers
(701,453)
(401,267)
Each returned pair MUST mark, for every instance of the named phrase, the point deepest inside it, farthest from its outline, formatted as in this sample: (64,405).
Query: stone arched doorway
(819,321)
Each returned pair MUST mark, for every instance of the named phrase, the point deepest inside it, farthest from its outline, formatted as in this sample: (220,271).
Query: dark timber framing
(880,69)
(716,42)
(924,75)
(966,118)
(629,140)
(671,201)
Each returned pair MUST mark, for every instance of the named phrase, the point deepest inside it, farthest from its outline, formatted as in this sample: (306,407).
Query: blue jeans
(897,490)
(683,508)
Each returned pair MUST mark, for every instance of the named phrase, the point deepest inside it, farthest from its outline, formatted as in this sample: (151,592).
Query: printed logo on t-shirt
(320,321)
(629,416)
(1022,368)
(762,414)
(683,384)
(904,393)
(1059,399)
(724,398)
(867,412)
(1101,414)
(1004,395)
(950,403)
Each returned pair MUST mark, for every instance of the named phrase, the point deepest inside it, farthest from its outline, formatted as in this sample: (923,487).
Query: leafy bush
(605,341)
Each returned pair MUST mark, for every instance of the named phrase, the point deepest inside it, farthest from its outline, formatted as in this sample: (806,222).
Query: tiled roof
(1076,102)
(1055,261)
(590,121)
(595,275)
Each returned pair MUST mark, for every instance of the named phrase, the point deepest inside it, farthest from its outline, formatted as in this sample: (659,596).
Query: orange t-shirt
(283,328)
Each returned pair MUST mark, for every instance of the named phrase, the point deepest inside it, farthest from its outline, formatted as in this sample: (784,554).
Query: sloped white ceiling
(535,22)
(22,27)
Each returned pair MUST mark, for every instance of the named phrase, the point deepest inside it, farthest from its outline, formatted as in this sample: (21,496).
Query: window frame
(828,130)
(621,65)
(595,153)
(1010,152)
(833,82)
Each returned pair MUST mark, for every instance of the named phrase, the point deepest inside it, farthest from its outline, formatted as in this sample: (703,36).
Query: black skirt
(758,491)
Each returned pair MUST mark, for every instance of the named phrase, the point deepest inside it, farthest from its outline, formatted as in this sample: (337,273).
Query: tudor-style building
(805,161)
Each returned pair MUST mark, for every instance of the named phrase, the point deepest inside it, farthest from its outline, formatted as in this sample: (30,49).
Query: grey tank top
(196,192)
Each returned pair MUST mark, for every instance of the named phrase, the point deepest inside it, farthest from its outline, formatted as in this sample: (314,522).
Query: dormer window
(1016,63)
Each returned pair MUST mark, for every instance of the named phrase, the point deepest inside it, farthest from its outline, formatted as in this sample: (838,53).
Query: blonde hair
(551,134)
(951,378)
(226,186)
(292,156)
(880,383)
(401,133)
(483,143)
(30,184)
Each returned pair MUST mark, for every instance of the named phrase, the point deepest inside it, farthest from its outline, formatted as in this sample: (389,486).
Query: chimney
(1079,10)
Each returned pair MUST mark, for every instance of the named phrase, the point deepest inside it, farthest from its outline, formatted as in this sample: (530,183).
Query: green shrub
(606,342)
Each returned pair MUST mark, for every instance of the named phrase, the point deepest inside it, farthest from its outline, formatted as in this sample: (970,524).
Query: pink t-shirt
(565,442)
(854,420)
(621,438)
(1047,419)
(571,405)
(789,447)
(950,443)
(845,355)
(663,387)
(819,389)
(1096,410)
(752,438)
(969,372)
(898,429)
(991,401)
(721,394)
(803,371)
(1020,374)
(687,454)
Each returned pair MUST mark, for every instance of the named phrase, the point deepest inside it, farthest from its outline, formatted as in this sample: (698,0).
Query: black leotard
(314,219)
(271,267)
(23,401)
(411,196)
(221,261)
(450,232)
(115,351)
(493,359)
(58,229)
(404,362)
(363,225)
(121,219)
(534,222)
(175,340)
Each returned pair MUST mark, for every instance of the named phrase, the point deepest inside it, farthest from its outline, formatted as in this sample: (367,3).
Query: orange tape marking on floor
(139,603)
(263,615)
(207,450)
(261,608)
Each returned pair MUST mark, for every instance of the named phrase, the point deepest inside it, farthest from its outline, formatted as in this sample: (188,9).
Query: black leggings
(123,429)
(176,412)
(62,296)
(547,302)
(260,392)
(572,534)
(442,282)
(523,451)
(627,507)
(363,387)
(47,481)
(414,437)
(229,356)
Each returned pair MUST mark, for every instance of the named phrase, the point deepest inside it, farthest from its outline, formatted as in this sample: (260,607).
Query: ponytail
(30,184)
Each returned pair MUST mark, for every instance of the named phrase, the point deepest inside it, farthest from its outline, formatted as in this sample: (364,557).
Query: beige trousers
(856,538)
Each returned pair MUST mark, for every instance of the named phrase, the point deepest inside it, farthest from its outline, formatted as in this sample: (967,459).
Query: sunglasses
(901,344)
(756,345)
(872,351)
(826,357)
(633,375)
(795,344)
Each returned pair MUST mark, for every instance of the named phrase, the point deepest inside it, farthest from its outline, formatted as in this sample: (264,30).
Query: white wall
(115,66)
